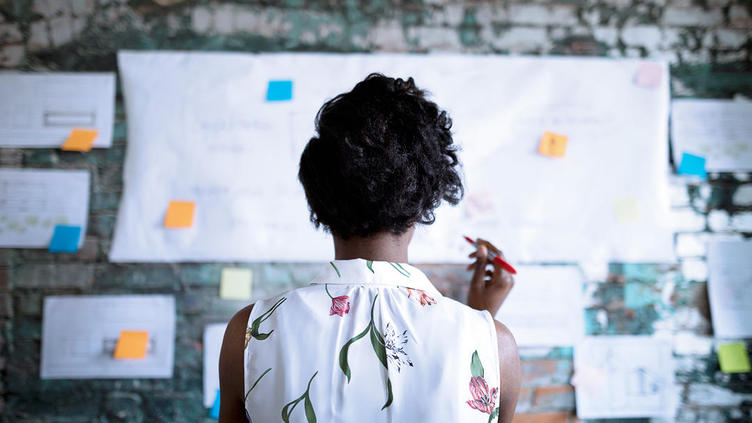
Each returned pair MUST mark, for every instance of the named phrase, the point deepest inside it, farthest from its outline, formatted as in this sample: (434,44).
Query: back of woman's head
(382,161)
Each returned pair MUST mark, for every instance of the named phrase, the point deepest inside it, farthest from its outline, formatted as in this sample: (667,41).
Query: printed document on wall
(34,201)
(624,376)
(544,308)
(225,132)
(213,336)
(718,130)
(41,109)
(730,288)
(80,333)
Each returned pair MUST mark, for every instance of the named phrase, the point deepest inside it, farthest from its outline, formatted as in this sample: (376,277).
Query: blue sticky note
(692,165)
(279,91)
(214,412)
(65,239)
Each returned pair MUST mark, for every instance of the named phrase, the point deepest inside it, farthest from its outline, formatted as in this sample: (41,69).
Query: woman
(371,339)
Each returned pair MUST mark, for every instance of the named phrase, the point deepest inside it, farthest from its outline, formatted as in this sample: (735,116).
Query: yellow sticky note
(733,358)
(626,209)
(236,284)
(131,344)
(179,214)
(553,145)
(80,140)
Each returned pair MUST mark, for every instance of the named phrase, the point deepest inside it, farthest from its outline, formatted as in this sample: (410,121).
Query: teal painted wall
(707,43)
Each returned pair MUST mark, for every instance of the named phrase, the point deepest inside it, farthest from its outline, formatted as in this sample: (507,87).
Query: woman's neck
(383,246)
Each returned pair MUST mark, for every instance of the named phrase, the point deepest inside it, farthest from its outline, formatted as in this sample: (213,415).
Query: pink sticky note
(649,75)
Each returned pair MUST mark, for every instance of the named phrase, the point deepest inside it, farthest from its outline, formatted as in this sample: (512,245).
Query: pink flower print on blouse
(340,305)
(423,298)
(483,399)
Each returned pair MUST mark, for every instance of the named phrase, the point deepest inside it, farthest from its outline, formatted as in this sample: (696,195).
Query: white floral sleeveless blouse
(369,341)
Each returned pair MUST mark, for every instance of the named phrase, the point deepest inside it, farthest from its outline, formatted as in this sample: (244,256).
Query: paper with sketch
(544,308)
(729,288)
(201,125)
(213,335)
(624,376)
(80,333)
(41,109)
(718,130)
(34,201)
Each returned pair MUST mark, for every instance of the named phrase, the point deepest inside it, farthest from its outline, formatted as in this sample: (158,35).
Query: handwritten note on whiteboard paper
(544,308)
(624,376)
(34,201)
(718,130)
(80,335)
(213,335)
(729,288)
(41,109)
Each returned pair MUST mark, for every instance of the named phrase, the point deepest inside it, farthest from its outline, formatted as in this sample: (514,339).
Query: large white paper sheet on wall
(79,334)
(199,129)
(730,288)
(624,376)
(213,336)
(544,308)
(718,130)
(33,201)
(40,109)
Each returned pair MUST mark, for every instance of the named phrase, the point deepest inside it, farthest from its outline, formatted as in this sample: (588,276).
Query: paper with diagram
(213,335)
(729,282)
(34,201)
(41,109)
(205,127)
(544,308)
(718,130)
(624,376)
(80,333)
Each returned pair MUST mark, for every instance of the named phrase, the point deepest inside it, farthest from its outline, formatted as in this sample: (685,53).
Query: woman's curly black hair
(382,161)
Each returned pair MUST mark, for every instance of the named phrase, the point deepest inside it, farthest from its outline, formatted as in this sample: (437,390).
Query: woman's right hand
(489,287)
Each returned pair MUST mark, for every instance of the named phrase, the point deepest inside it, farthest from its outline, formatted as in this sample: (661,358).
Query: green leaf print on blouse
(369,265)
(388,347)
(398,267)
(254,329)
(484,400)
(339,275)
(256,383)
(308,406)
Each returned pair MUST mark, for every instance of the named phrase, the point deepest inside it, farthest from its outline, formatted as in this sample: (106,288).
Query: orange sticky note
(553,145)
(131,344)
(80,140)
(179,214)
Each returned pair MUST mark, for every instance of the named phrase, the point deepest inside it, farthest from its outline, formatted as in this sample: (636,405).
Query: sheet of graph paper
(79,334)
(33,201)
(213,335)
(624,376)
(718,130)
(544,308)
(40,109)
(729,288)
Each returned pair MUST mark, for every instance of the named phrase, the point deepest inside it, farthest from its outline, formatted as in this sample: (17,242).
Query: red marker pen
(495,257)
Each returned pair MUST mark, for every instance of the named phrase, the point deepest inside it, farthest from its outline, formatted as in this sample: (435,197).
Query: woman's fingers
(480,266)
(490,246)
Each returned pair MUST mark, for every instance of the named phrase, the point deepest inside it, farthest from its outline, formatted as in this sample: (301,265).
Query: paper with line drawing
(79,335)
(41,109)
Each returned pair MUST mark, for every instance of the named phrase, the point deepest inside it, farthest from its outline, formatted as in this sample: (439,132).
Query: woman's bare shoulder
(509,368)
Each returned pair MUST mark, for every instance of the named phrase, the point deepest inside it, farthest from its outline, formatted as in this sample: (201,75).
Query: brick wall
(707,43)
